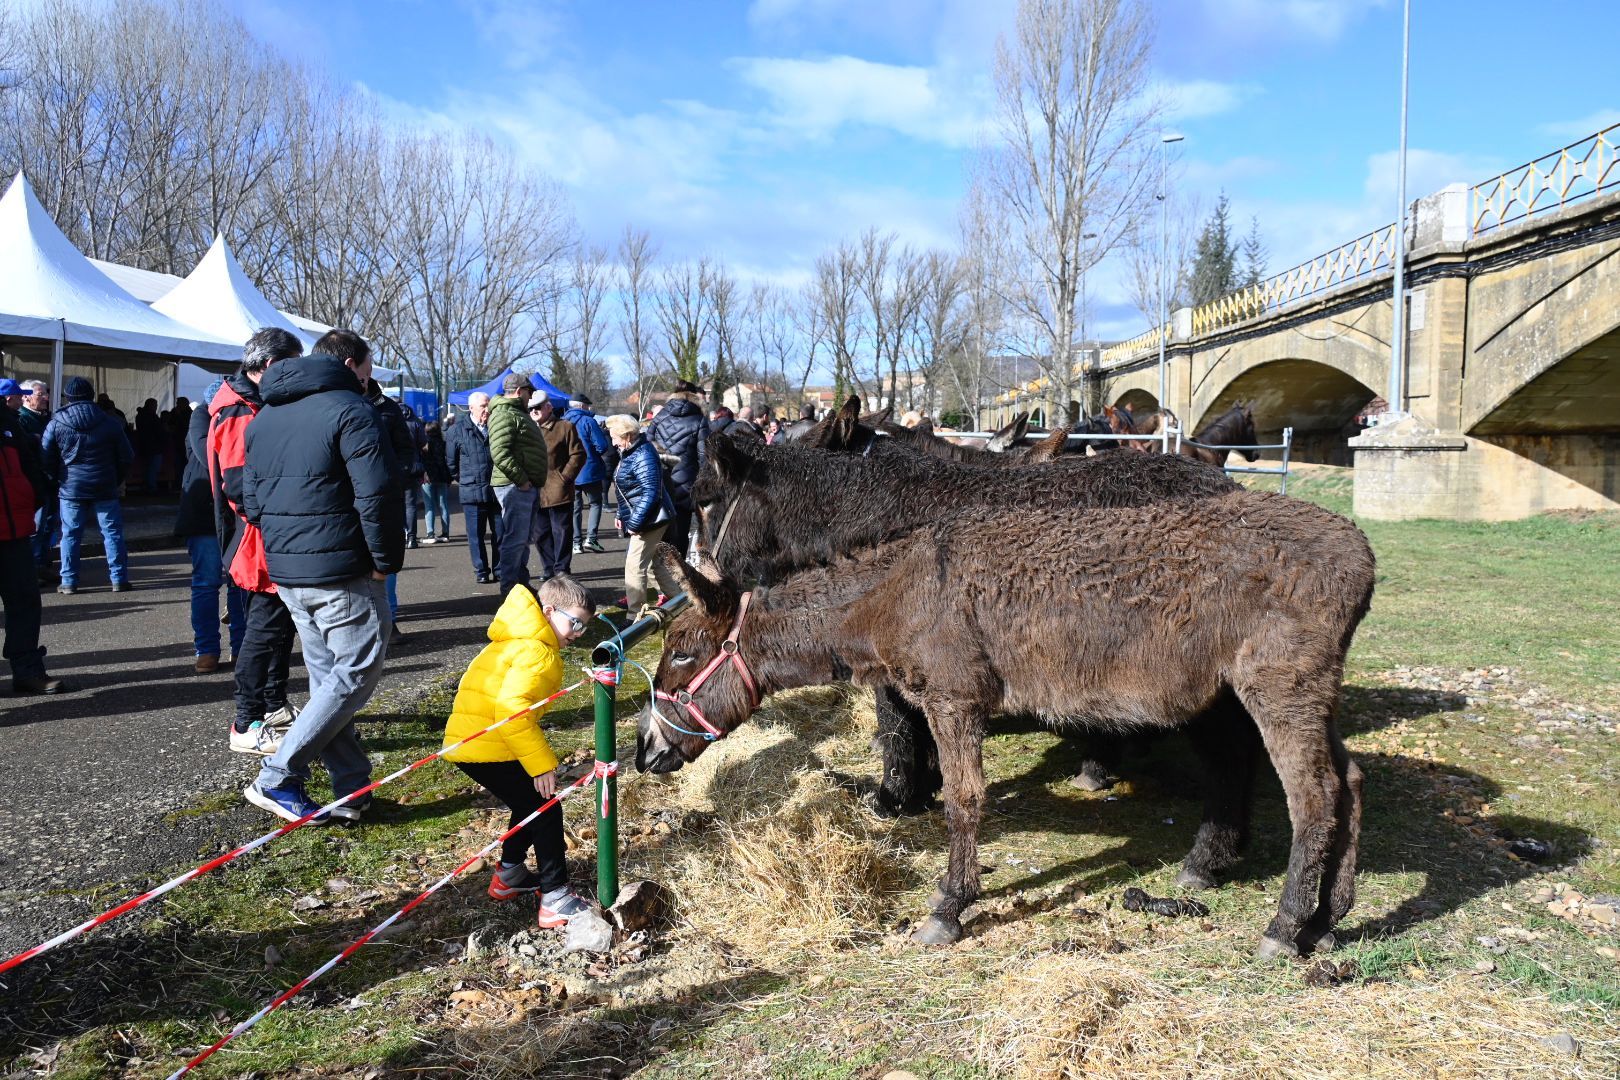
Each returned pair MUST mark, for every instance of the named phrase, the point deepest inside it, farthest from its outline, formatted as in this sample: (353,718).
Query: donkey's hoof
(937,931)
(1324,942)
(1196,880)
(1091,780)
(936,899)
(1270,948)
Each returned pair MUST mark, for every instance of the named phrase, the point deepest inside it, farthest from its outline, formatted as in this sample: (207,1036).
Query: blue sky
(762,133)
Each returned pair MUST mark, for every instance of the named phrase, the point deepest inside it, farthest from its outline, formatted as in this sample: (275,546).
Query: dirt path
(94,783)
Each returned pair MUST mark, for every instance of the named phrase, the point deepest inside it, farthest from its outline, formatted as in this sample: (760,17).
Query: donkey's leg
(1099,770)
(1228,749)
(960,736)
(910,769)
(1338,893)
(1291,696)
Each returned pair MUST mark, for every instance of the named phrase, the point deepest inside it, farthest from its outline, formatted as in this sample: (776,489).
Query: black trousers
(261,663)
(483,518)
(556,543)
(413,506)
(507,781)
(19,592)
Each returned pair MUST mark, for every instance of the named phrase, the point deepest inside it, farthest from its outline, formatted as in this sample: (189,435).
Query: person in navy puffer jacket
(590,486)
(86,455)
(645,511)
(682,431)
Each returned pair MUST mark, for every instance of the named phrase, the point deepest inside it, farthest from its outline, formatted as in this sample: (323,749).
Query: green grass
(1450,773)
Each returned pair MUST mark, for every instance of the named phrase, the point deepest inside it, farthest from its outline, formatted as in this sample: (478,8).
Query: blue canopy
(559,398)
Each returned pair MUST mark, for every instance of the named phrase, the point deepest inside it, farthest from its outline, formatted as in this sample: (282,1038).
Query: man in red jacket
(261,663)
(22,490)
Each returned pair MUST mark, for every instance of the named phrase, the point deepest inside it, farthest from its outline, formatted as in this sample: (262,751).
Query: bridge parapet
(1577,171)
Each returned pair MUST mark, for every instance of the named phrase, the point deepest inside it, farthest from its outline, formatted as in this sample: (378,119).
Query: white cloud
(521,32)
(1572,130)
(1321,20)
(1195,99)
(817,97)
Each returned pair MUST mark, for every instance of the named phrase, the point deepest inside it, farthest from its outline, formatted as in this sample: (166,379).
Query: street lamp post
(1396,400)
(1096,373)
(1164,264)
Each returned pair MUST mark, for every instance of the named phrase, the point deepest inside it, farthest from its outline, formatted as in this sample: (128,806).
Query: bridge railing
(1578,171)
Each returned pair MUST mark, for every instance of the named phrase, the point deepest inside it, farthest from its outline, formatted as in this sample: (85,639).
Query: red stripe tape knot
(606,676)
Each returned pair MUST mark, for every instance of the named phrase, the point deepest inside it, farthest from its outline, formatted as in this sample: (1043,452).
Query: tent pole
(56,364)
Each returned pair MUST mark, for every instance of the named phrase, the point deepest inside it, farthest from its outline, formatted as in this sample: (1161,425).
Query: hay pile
(783,859)
(1093,1016)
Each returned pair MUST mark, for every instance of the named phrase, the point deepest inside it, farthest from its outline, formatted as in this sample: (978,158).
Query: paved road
(87,777)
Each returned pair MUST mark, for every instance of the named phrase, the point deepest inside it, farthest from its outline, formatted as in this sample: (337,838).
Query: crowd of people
(301,491)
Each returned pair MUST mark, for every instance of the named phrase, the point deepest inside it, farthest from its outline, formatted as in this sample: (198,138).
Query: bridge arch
(1319,401)
(1139,401)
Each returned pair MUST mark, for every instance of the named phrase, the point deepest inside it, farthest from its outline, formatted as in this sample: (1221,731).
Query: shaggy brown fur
(1135,618)
(800,508)
(1234,427)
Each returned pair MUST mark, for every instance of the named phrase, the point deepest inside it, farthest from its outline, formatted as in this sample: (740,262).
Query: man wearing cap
(590,486)
(518,457)
(565,457)
(12,394)
(86,455)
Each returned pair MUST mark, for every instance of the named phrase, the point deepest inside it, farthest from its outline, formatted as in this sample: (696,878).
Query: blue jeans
(47,533)
(207,575)
(482,518)
(588,510)
(345,631)
(109,515)
(437,497)
(519,528)
(392,589)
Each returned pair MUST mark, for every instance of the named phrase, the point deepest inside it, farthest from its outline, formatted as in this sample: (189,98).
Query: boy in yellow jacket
(514,762)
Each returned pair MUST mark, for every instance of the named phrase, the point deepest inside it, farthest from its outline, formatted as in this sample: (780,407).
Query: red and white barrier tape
(152,894)
(601,769)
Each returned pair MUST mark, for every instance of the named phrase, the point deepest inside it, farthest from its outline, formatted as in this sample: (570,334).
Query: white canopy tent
(51,297)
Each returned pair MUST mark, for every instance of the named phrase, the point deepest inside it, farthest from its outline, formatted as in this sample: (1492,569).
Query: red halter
(728,650)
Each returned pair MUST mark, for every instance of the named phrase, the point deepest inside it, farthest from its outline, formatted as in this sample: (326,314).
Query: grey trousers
(344,629)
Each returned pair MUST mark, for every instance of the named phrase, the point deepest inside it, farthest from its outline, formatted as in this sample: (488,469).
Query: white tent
(51,294)
(220,299)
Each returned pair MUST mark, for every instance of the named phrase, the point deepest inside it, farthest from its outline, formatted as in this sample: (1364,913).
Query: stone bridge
(1513,350)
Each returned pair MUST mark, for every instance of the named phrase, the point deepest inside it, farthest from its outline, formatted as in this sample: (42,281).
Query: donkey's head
(1009,436)
(703,688)
(844,431)
(735,511)
(1245,429)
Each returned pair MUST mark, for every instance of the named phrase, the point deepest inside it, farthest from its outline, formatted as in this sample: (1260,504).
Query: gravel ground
(90,776)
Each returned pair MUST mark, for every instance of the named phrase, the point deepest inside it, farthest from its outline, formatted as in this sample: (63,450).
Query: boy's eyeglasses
(579,627)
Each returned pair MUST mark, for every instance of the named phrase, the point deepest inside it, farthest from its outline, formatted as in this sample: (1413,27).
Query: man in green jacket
(518,452)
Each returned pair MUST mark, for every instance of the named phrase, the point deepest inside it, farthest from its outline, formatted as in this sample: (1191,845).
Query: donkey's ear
(709,597)
(1049,447)
(1008,436)
(731,460)
(884,416)
(926,425)
(842,427)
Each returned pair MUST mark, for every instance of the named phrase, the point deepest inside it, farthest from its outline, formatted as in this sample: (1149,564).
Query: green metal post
(607,799)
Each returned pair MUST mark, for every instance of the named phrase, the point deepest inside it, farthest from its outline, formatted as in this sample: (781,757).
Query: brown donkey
(1251,593)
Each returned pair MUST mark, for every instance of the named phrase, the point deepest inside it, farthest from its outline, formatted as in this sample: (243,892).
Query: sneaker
(579,549)
(67,590)
(429,541)
(207,662)
(287,802)
(281,718)
(592,545)
(259,739)
(508,883)
(557,915)
(350,812)
(121,586)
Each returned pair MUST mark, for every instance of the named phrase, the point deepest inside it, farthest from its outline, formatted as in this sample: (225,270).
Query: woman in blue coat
(645,510)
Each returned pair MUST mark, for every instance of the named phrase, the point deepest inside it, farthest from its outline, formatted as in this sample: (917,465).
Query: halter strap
(729,650)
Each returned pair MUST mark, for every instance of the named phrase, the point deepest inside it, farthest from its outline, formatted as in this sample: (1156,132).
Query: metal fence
(1171,439)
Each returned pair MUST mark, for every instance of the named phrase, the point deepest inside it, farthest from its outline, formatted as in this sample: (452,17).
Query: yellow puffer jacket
(520,666)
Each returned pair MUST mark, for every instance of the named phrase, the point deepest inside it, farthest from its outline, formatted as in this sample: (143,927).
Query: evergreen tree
(559,376)
(1254,255)
(1214,269)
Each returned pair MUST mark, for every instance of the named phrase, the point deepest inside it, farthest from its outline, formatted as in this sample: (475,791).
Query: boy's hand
(545,785)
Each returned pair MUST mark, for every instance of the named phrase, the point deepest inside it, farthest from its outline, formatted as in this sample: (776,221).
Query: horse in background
(1234,427)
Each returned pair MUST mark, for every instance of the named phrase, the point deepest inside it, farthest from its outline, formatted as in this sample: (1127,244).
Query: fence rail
(1578,171)
(1171,439)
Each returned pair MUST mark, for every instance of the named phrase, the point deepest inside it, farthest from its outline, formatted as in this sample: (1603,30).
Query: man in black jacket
(681,431)
(467,453)
(322,485)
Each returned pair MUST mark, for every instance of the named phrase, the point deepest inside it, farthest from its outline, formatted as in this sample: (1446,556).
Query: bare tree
(682,303)
(636,255)
(938,329)
(1068,180)
(723,329)
(835,292)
